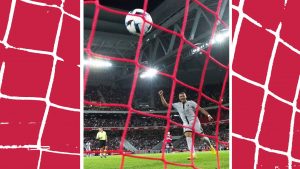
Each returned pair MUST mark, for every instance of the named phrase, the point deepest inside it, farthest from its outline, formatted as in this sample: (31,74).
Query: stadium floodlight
(150,73)
(97,63)
(221,36)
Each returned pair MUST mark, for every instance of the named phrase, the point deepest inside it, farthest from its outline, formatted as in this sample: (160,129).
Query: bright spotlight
(150,73)
(97,63)
(221,36)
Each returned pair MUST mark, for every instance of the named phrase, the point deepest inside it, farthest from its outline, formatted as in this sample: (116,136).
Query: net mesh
(35,104)
(273,87)
(173,77)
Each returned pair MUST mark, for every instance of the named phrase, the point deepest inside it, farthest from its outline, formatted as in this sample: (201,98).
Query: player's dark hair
(182,93)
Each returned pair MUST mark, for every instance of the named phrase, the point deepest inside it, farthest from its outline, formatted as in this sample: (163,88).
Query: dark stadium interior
(159,50)
(128,5)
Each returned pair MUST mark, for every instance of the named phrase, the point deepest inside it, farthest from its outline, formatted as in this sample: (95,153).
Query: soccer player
(102,137)
(169,145)
(88,148)
(186,109)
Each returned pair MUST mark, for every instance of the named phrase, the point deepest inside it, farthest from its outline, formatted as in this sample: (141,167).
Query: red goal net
(172,76)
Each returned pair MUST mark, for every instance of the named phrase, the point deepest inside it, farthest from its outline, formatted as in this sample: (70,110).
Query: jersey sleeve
(194,104)
(174,105)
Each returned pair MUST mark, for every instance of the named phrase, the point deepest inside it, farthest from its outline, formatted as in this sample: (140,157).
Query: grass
(205,160)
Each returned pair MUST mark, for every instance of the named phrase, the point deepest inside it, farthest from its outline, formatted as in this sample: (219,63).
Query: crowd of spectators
(147,99)
(118,119)
(141,140)
(148,138)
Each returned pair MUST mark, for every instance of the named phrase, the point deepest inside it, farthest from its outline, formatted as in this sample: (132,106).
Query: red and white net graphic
(38,41)
(173,76)
(266,84)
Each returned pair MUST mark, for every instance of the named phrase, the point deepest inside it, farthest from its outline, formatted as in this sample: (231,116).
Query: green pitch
(205,160)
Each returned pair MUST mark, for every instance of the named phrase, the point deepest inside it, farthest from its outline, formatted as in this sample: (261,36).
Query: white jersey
(88,146)
(187,114)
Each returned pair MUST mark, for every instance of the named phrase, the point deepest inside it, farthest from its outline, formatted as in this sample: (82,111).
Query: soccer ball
(134,23)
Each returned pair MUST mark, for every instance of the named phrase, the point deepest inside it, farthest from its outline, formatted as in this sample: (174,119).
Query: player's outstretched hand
(161,92)
(210,118)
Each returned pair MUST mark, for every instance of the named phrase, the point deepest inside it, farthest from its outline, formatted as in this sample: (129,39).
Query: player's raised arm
(162,98)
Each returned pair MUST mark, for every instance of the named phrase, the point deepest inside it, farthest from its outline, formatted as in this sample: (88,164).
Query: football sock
(189,143)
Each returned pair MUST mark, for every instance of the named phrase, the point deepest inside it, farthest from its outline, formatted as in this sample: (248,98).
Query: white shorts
(197,127)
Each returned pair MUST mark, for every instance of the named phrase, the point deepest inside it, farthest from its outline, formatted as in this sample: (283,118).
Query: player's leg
(206,140)
(101,152)
(167,148)
(88,151)
(189,141)
(101,148)
(105,151)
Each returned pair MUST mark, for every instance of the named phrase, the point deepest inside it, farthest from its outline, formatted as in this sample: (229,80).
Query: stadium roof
(159,48)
